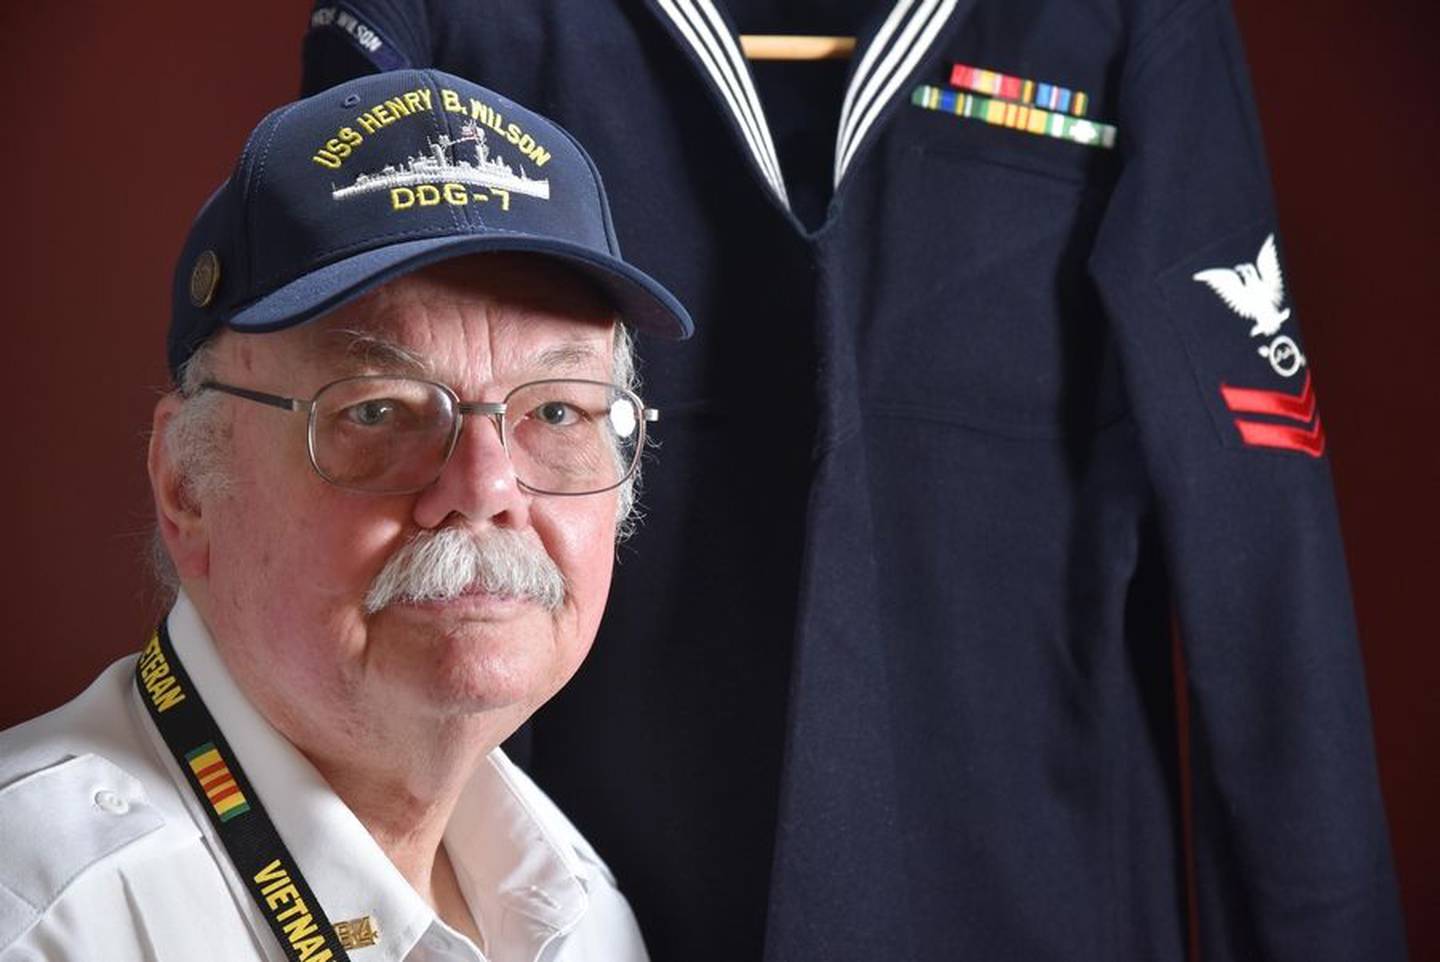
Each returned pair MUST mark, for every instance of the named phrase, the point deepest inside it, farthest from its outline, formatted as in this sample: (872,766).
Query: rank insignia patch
(1229,305)
(217,782)
(1308,436)
(1256,292)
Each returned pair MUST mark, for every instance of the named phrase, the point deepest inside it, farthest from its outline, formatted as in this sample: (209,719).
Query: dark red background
(118,124)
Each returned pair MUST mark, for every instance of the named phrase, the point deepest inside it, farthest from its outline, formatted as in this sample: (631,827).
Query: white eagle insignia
(1254,291)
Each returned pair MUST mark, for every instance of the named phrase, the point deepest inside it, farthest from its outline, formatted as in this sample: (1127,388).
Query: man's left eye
(556,414)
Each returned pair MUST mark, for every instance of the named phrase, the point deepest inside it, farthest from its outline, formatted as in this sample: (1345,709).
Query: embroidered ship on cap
(440,167)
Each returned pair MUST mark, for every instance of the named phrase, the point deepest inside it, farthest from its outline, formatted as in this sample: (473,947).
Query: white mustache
(444,564)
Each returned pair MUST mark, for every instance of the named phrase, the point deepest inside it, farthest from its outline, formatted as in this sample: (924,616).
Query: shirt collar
(523,884)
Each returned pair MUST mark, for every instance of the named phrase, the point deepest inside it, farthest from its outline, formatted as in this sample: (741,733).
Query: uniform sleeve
(358,37)
(1292,853)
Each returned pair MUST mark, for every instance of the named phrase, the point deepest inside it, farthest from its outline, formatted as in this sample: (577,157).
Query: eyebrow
(569,356)
(366,351)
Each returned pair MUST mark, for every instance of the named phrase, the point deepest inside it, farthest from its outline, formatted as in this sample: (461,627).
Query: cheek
(579,534)
(284,528)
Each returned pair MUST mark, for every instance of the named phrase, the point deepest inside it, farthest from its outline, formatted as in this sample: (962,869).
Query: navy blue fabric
(887,671)
(339,192)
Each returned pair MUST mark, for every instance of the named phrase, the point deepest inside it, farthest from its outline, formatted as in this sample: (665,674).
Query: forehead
(484,316)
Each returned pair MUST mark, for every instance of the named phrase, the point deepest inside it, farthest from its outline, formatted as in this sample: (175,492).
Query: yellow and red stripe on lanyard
(219,785)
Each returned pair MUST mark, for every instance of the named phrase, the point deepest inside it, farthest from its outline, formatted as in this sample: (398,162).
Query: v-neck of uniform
(890,47)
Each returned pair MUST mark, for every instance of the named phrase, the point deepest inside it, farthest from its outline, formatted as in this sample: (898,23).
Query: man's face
(291,557)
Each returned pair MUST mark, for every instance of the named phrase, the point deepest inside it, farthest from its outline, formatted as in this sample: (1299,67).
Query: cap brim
(640,300)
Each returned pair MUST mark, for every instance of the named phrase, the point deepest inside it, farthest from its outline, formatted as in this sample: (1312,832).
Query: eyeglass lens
(392,434)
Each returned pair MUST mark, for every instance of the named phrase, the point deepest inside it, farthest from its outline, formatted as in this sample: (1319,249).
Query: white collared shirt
(105,853)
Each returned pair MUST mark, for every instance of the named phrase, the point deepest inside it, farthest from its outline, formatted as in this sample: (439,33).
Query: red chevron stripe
(1246,400)
(1260,434)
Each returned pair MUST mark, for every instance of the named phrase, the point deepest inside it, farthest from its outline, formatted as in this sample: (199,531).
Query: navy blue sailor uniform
(995,386)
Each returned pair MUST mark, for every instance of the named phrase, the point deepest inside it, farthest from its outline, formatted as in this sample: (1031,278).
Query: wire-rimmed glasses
(384,434)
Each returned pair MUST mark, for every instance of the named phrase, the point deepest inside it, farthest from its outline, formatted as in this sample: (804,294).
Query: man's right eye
(371,414)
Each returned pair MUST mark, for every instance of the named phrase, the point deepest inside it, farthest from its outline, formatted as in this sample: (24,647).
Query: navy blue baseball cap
(374,178)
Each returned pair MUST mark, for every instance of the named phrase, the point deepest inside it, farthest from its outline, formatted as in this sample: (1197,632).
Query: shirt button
(108,801)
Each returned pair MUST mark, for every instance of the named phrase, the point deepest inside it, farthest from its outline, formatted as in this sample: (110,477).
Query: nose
(478,482)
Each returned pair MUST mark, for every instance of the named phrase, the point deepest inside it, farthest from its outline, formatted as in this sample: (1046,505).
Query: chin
(483,666)
(486,684)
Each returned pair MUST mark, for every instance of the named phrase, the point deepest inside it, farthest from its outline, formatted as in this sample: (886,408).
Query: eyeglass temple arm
(274,400)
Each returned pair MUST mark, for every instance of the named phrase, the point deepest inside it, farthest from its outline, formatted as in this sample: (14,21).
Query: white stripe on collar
(742,70)
(914,42)
(706,36)
(872,51)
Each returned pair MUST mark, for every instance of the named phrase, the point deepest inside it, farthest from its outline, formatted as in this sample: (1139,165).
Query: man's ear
(181,523)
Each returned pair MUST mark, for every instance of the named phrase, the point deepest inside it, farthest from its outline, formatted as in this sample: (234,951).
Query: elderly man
(390,480)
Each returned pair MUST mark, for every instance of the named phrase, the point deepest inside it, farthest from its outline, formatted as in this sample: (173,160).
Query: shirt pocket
(986,313)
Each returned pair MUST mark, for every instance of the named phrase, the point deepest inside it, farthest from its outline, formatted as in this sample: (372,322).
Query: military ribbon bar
(1029,92)
(219,785)
(1016,116)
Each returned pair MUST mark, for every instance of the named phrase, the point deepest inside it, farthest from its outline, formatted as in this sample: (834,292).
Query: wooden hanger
(765,46)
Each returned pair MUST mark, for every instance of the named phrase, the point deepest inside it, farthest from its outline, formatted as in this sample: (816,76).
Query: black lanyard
(214,773)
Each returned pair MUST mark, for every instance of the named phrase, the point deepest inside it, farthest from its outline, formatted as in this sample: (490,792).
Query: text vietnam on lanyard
(214,773)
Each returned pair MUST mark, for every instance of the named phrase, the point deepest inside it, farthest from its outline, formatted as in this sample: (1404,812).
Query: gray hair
(197,441)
